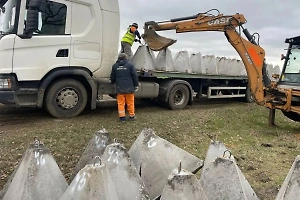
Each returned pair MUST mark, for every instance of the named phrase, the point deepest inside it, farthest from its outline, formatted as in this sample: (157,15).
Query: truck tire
(178,97)
(292,115)
(66,98)
(249,97)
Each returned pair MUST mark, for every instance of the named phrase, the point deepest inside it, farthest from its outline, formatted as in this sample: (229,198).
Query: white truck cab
(52,51)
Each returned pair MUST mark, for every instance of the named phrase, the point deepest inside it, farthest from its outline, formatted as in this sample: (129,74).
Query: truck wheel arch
(166,87)
(70,72)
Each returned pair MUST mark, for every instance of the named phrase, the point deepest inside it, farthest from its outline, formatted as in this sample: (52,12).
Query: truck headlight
(5,83)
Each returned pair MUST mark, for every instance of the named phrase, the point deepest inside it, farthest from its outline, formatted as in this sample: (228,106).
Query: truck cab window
(7,16)
(52,18)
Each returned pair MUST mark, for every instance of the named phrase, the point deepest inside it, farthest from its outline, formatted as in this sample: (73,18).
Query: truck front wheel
(179,97)
(66,98)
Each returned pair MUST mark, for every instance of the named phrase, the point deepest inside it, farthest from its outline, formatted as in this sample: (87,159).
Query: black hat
(135,25)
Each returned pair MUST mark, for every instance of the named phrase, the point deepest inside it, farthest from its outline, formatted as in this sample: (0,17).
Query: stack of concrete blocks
(144,59)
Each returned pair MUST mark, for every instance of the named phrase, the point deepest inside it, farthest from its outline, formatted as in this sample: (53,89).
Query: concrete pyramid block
(164,61)
(125,176)
(144,58)
(222,178)
(156,158)
(290,188)
(93,182)
(197,63)
(96,147)
(183,185)
(182,62)
(37,177)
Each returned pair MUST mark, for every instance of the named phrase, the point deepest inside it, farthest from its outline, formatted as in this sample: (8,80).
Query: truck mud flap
(290,188)
(156,158)
(91,182)
(222,179)
(96,147)
(37,176)
(183,185)
(124,174)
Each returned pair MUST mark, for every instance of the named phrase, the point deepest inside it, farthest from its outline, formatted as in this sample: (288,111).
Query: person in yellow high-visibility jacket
(129,38)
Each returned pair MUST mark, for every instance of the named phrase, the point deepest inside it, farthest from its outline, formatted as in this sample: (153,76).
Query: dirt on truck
(264,154)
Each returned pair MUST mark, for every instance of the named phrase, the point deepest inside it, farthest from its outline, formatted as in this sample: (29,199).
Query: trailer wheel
(179,97)
(292,115)
(66,98)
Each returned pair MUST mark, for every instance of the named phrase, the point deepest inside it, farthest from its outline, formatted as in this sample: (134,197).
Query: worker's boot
(132,118)
(122,119)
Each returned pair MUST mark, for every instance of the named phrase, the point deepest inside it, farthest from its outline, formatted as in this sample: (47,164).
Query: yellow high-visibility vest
(128,37)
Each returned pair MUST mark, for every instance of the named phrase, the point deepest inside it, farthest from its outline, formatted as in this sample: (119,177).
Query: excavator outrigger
(279,92)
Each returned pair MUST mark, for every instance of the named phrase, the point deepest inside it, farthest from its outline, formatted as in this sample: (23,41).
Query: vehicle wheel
(66,98)
(179,97)
(292,115)
(249,98)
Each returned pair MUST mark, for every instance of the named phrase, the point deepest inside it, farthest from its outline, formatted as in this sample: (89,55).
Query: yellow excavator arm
(249,50)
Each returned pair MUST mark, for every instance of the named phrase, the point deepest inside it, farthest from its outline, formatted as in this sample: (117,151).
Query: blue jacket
(124,75)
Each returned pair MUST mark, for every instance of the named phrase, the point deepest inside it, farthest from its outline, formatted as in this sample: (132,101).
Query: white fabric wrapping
(210,64)
(222,63)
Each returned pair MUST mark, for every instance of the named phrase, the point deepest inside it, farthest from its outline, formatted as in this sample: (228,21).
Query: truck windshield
(7,16)
(292,70)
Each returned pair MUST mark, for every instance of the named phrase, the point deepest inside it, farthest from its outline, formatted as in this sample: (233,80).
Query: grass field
(264,154)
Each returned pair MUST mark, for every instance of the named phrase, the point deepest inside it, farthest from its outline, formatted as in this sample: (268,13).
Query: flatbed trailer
(177,89)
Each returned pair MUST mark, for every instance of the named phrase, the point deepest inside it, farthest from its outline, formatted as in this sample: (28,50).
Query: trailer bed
(169,74)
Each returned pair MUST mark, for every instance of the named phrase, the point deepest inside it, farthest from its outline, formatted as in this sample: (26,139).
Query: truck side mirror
(32,21)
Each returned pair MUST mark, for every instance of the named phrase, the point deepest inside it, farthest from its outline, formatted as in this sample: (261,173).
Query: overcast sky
(274,20)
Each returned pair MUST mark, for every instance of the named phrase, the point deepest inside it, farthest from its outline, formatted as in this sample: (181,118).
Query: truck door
(49,46)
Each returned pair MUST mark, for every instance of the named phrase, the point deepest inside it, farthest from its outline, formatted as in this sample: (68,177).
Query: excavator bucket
(155,41)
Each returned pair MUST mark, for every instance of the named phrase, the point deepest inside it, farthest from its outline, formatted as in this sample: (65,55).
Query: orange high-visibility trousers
(129,100)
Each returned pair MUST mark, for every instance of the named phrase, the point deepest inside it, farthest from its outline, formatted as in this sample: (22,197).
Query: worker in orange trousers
(124,75)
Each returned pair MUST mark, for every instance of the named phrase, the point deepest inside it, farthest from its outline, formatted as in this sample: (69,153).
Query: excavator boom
(249,50)
(198,22)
